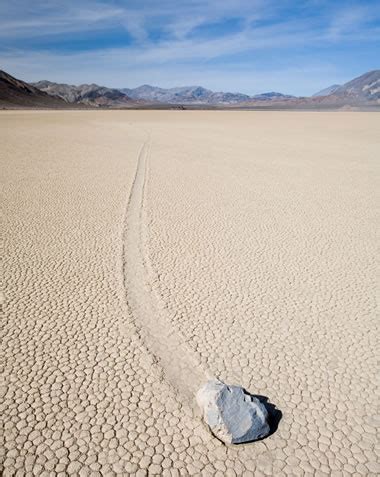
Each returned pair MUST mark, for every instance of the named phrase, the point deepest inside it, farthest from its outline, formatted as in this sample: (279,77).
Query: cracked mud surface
(255,258)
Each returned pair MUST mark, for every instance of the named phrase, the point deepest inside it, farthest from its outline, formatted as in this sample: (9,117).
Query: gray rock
(232,415)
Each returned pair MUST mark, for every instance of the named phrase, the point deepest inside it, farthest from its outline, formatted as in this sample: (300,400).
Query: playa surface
(147,251)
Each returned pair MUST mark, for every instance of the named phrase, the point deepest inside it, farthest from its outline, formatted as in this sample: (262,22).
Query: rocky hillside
(87,94)
(15,93)
(364,88)
(326,91)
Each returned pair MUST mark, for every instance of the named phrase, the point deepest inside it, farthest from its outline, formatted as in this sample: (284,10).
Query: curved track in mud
(179,364)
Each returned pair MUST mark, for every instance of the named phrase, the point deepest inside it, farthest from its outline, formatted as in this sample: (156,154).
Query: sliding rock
(232,415)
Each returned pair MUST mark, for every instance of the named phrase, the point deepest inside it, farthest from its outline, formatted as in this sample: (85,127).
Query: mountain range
(194,95)
(361,91)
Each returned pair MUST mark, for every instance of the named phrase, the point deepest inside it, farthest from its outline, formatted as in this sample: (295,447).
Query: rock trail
(179,363)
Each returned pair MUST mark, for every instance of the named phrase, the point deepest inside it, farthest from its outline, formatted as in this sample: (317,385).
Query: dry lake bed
(147,251)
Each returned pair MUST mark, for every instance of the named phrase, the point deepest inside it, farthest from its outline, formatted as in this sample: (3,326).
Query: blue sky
(251,46)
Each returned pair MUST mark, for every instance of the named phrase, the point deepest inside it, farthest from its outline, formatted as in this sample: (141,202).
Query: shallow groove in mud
(178,362)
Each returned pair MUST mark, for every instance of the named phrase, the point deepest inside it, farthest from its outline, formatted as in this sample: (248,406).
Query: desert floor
(147,250)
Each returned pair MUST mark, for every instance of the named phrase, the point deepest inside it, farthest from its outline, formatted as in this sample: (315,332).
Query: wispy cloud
(355,20)
(58,17)
(65,16)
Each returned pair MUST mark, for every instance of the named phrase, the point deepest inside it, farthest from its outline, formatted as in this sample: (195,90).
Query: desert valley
(190,214)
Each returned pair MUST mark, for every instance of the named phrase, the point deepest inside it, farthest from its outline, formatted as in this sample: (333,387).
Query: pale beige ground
(146,250)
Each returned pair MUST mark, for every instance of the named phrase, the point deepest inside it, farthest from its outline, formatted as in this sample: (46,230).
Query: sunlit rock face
(233,415)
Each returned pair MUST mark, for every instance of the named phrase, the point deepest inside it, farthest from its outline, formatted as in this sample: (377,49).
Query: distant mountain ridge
(88,94)
(194,95)
(272,96)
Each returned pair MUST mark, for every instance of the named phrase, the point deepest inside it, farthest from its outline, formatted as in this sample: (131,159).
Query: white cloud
(349,20)
(52,21)
(18,19)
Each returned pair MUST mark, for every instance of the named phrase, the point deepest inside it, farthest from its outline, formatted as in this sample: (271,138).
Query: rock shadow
(274,416)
